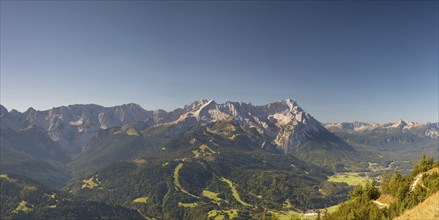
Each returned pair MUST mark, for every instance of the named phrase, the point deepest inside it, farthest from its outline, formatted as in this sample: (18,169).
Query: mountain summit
(284,122)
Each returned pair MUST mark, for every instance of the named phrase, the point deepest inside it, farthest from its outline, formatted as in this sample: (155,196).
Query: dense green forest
(407,191)
(22,198)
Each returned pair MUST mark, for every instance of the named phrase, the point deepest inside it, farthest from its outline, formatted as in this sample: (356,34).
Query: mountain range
(400,126)
(283,123)
(200,158)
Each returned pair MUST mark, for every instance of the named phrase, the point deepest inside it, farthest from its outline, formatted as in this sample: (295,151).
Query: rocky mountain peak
(30,110)
(3,110)
(291,104)
(398,124)
(197,105)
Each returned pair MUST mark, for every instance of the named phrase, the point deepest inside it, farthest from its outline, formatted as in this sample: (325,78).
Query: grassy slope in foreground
(428,209)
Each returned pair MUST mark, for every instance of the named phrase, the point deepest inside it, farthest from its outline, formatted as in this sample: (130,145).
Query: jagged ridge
(284,123)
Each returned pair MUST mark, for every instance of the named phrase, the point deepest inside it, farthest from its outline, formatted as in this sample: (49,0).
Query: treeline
(361,206)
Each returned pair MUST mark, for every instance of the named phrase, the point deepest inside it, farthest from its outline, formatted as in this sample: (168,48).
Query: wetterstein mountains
(284,123)
(221,159)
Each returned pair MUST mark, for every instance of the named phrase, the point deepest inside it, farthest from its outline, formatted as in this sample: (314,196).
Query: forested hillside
(396,194)
(22,198)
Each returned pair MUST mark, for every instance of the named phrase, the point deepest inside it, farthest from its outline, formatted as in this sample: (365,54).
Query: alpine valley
(204,161)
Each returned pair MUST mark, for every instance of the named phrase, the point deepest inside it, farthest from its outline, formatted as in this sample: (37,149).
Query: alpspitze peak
(205,102)
(194,106)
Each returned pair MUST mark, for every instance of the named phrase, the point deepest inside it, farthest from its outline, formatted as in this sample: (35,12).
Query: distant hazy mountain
(398,133)
(399,143)
(399,126)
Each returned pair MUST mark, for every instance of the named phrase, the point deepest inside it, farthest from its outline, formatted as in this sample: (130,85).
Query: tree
(371,191)
(264,216)
(274,217)
(357,193)
(384,187)
(394,183)
(422,165)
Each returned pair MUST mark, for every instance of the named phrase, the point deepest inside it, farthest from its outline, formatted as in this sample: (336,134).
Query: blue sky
(340,60)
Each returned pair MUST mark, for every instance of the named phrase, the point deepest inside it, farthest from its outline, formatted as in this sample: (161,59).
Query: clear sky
(340,60)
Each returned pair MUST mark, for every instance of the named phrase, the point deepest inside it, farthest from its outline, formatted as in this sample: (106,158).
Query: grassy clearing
(4,176)
(257,196)
(213,196)
(188,205)
(287,204)
(91,183)
(177,181)
(351,178)
(176,171)
(234,191)
(128,130)
(428,209)
(286,215)
(23,206)
(52,196)
(7,178)
(386,199)
(333,208)
(203,151)
(221,214)
(225,130)
(132,132)
(141,200)
(215,214)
